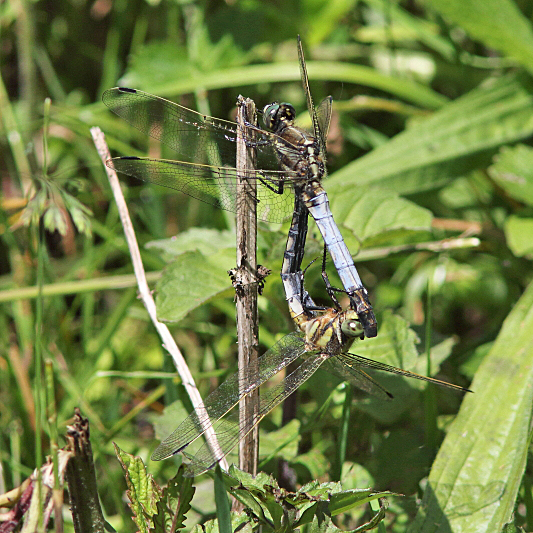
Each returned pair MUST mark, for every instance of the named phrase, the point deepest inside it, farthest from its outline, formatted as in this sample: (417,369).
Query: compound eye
(270,113)
(352,328)
(287,113)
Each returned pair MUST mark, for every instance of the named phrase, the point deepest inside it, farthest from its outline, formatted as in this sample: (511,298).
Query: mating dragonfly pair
(323,335)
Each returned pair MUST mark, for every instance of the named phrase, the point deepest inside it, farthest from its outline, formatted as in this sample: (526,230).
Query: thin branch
(168,341)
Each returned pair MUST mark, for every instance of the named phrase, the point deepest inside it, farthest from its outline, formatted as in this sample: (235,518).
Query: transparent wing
(323,114)
(353,361)
(225,397)
(213,184)
(343,366)
(198,138)
(228,430)
(322,119)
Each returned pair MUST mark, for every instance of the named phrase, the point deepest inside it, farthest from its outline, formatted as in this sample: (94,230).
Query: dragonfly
(208,172)
(323,338)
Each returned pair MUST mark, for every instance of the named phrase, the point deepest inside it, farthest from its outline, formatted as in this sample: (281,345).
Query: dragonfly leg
(307,302)
(331,290)
(270,184)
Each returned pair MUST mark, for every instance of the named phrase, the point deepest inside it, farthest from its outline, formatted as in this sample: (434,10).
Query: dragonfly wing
(321,120)
(357,360)
(213,184)
(323,116)
(344,367)
(221,400)
(197,137)
(229,432)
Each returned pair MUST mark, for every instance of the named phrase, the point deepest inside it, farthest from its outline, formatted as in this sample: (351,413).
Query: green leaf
(475,478)
(461,136)
(204,240)
(371,212)
(174,503)
(346,500)
(156,63)
(281,443)
(252,504)
(166,423)
(323,524)
(395,345)
(405,89)
(143,492)
(239,522)
(519,235)
(248,481)
(513,171)
(498,24)
(314,461)
(190,281)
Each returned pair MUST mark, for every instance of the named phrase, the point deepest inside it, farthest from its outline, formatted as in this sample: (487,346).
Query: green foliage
(430,182)
(279,510)
(155,509)
(478,470)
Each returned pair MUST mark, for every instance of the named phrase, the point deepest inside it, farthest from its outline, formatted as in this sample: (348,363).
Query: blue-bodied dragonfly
(209,173)
(323,337)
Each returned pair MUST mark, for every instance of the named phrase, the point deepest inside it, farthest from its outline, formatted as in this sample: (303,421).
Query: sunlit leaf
(191,280)
(519,235)
(461,136)
(513,171)
(475,478)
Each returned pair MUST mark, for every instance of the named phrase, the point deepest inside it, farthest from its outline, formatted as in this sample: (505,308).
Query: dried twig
(168,341)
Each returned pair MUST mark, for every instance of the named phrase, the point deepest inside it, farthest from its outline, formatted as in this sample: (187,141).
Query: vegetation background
(431,180)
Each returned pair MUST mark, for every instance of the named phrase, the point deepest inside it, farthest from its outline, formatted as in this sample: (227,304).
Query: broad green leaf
(324,490)
(498,24)
(207,241)
(461,136)
(156,63)
(190,281)
(255,483)
(475,478)
(519,235)
(251,503)
(371,212)
(143,492)
(355,476)
(513,171)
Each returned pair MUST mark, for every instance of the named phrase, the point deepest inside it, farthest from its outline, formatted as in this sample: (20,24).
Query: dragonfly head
(277,115)
(351,326)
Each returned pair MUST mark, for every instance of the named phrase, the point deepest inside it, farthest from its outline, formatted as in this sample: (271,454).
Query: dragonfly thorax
(277,116)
